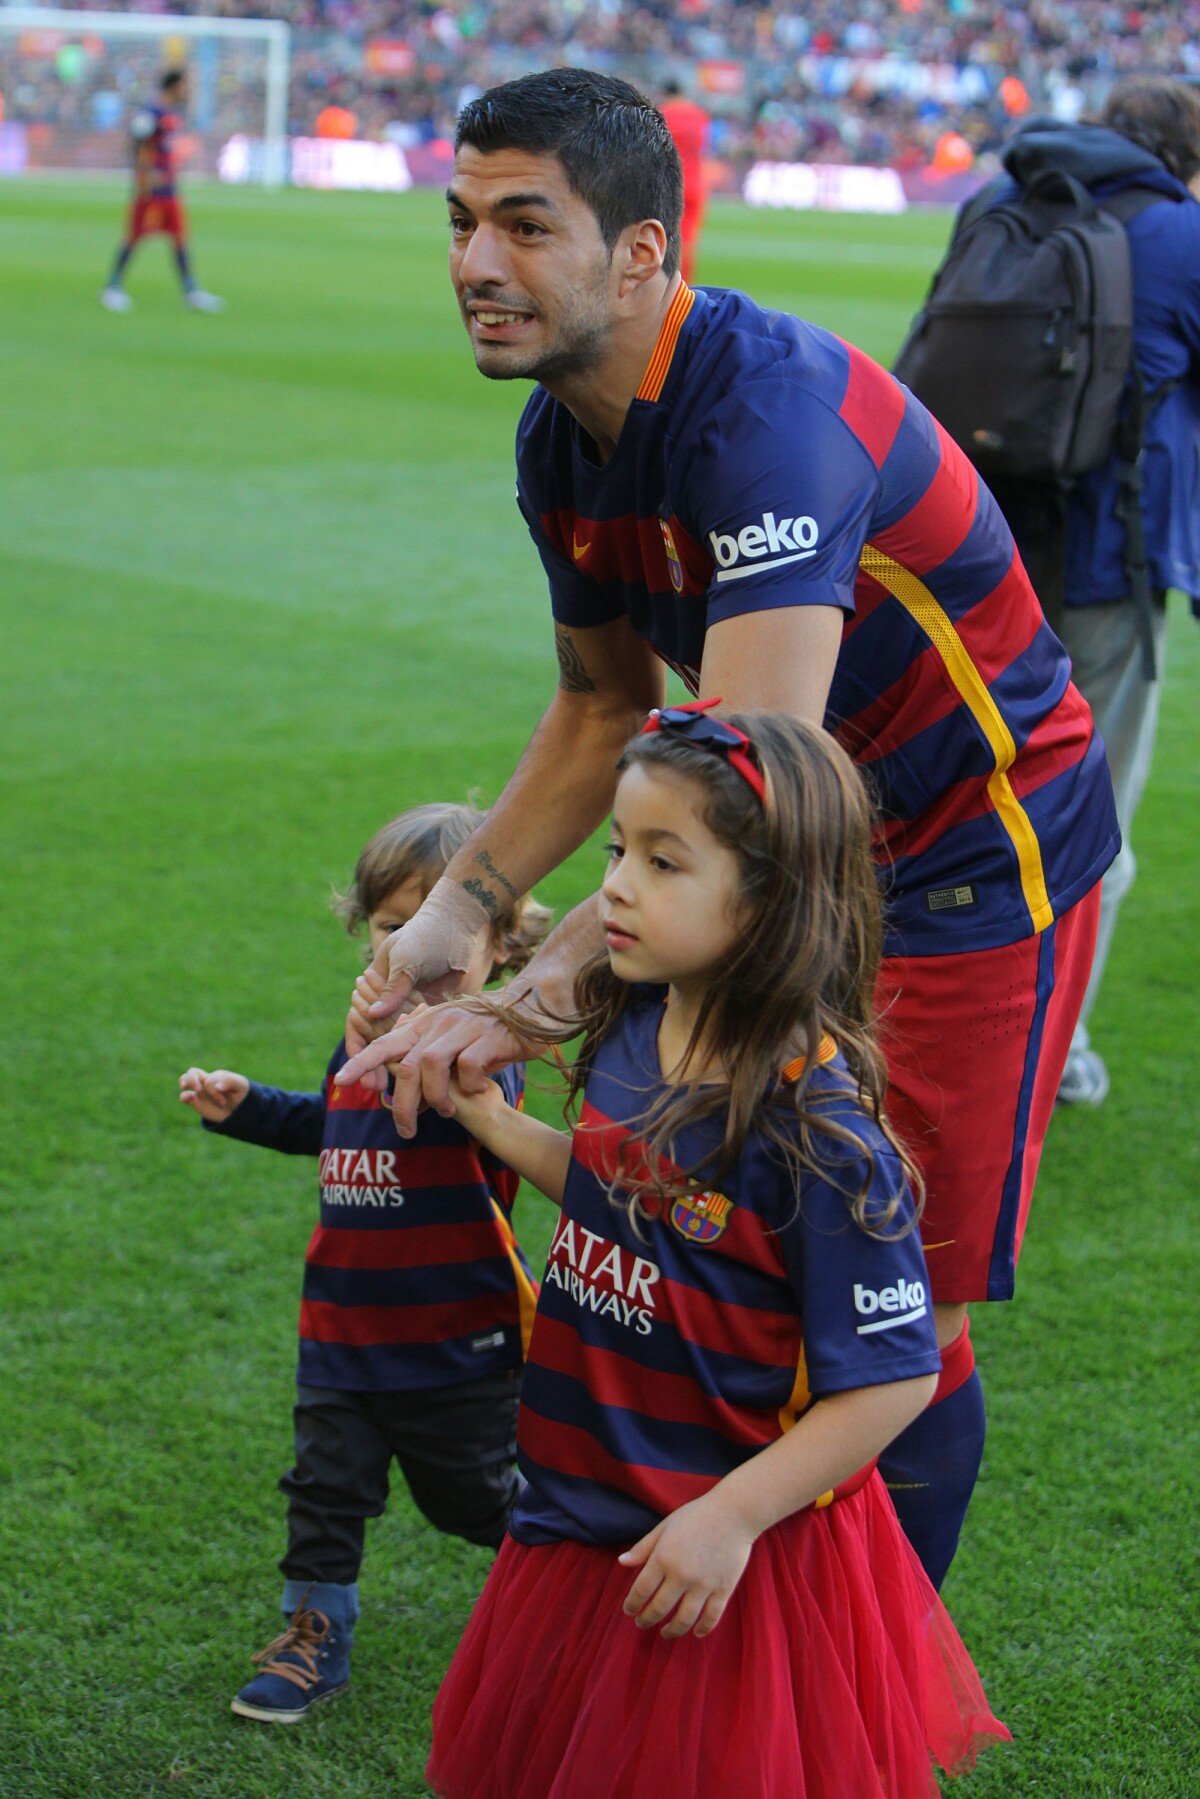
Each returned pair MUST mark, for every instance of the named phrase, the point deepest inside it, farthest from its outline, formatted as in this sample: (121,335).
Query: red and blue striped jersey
(413,1277)
(665,1354)
(765,463)
(152,128)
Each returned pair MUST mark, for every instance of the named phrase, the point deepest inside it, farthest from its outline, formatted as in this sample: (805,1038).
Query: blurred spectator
(336,121)
(1014,97)
(952,154)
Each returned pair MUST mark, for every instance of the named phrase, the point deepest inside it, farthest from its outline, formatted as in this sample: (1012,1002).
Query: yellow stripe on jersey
(660,360)
(799,1399)
(920,604)
(798,1402)
(526,1293)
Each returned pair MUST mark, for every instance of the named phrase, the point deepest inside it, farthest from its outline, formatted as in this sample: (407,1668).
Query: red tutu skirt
(835,1673)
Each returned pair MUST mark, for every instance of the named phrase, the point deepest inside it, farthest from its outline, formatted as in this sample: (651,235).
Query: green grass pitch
(264,584)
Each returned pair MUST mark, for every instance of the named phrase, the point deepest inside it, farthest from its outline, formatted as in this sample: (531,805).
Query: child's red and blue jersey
(151,128)
(665,1354)
(765,463)
(413,1277)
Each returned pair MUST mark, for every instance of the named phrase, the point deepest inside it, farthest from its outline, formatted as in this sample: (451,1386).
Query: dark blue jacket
(1164,245)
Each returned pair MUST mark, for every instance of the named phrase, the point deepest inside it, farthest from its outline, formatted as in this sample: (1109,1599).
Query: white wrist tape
(443,935)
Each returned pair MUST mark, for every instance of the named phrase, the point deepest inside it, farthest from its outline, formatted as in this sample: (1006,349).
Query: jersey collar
(659,366)
(795,1068)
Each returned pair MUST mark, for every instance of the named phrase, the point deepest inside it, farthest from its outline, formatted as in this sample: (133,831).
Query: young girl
(705,1591)
(417,1299)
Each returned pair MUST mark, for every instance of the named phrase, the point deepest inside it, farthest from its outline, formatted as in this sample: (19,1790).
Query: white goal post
(31,36)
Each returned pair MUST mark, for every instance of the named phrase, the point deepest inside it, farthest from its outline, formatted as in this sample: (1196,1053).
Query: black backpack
(1024,346)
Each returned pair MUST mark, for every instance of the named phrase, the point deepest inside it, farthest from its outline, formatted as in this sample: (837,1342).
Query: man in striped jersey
(750,501)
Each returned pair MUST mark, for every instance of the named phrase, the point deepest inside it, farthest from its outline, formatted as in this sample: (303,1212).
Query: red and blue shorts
(976,1045)
(157,212)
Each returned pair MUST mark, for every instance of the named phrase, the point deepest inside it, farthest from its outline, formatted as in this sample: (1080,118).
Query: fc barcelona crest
(701,1217)
(674,565)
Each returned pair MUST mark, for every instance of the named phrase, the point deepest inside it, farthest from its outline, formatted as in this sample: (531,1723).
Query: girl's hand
(690,1564)
(213,1095)
(476,1111)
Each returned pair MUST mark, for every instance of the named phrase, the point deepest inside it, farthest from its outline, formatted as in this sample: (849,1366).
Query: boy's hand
(690,1564)
(361,1028)
(213,1095)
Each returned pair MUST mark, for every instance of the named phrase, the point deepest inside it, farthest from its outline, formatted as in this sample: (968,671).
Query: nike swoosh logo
(580,549)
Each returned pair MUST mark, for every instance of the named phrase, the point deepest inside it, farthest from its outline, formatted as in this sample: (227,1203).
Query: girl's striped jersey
(665,1354)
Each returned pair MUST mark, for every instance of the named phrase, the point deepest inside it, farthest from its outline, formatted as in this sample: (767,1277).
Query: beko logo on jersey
(771,544)
(902,1304)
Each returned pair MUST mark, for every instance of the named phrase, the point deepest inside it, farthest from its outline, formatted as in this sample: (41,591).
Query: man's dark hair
(1161,115)
(172,78)
(614,146)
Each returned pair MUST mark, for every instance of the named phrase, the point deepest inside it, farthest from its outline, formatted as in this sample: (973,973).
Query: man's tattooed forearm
(572,675)
(485,862)
(487,899)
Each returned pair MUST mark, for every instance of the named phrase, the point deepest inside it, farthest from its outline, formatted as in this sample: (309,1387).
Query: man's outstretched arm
(562,787)
(559,792)
(428,1051)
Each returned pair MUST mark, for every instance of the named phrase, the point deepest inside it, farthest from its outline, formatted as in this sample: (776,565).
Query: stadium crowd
(879,82)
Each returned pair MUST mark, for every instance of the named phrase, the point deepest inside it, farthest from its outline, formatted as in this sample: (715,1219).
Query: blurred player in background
(156,205)
(689,126)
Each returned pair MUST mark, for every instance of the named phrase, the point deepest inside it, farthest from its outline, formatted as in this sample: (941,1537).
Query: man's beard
(581,346)
(582,353)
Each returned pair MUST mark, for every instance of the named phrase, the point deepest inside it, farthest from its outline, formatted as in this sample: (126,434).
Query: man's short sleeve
(864,1299)
(574,598)
(780,492)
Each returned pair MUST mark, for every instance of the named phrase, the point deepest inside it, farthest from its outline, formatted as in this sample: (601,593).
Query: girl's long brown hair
(803,969)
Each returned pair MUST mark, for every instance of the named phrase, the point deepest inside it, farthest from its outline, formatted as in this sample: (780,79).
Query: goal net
(71,83)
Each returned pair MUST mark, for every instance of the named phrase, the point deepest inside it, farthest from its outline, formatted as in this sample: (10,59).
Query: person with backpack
(1060,347)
